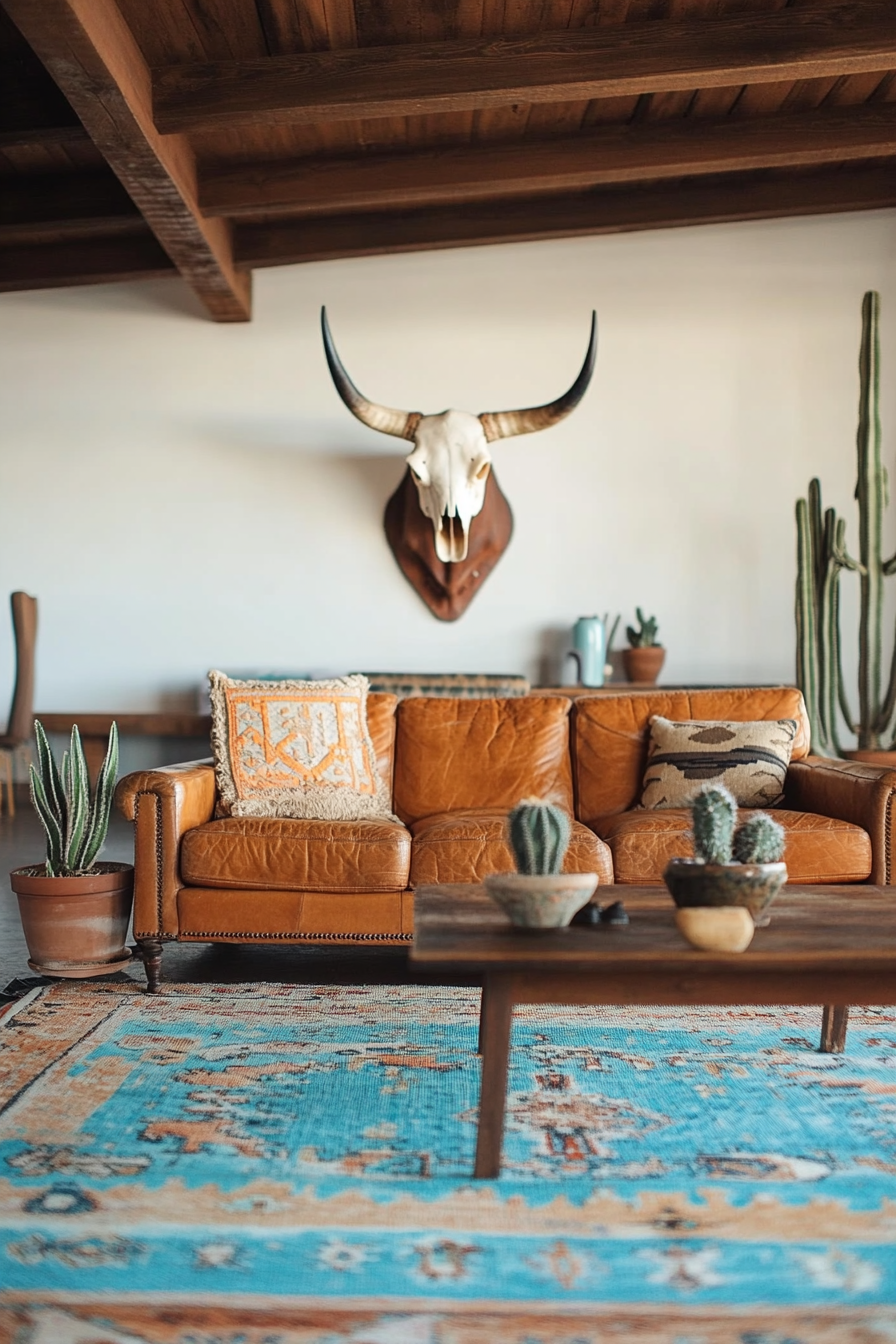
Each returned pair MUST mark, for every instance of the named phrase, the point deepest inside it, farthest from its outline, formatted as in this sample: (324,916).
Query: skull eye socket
(416,475)
(483,471)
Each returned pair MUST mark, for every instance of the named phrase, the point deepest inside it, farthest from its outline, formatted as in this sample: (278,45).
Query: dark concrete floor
(21,842)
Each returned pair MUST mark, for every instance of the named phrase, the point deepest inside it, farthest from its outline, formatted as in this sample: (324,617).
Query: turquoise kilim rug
(291,1165)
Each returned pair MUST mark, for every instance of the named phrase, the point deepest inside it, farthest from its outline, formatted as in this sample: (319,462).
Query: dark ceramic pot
(754,885)
(76,927)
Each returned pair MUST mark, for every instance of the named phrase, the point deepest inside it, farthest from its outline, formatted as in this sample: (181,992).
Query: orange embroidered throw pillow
(295,749)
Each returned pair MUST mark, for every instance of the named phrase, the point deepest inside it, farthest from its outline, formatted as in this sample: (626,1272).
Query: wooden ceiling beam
(641,152)
(43,137)
(615,210)
(461,75)
(54,198)
(91,53)
(86,261)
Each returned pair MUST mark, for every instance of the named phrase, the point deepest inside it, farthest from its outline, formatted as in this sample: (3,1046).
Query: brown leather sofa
(455,767)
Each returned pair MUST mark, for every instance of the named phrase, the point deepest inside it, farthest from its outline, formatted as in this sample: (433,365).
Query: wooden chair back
(24,623)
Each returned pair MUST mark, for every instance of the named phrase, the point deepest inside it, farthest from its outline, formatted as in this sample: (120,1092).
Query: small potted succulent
(74,910)
(538,895)
(733,865)
(644,659)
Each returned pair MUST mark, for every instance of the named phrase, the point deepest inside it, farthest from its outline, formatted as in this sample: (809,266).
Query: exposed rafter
(646,152)
(84,261)
(90,52)
(604,211)
(42,137)
(452,76)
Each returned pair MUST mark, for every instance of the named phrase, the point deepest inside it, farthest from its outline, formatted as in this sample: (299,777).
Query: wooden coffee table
(831,946)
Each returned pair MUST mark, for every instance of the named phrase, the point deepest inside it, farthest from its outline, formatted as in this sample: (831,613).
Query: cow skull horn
(402,424)
(506,424)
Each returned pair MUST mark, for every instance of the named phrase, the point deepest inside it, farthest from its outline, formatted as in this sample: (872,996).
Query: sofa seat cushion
(467,846)
(817,849)
(283,854)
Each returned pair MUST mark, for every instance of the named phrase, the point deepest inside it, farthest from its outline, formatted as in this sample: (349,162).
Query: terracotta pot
(643,665)
(754,885)
(76,927)
(540,900)
(885,758)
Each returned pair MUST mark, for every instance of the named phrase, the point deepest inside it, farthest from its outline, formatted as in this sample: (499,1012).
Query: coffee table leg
(482,1014)
(497,1015)
(833,1028)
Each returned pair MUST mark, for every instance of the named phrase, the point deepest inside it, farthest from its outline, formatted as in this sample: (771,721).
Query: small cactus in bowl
(539,895)
(733,865)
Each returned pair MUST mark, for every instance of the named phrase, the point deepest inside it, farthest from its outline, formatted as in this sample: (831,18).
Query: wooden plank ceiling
(208,137)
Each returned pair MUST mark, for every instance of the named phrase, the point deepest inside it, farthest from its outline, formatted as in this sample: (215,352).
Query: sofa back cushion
(453,755)
(611,735)
(381,726)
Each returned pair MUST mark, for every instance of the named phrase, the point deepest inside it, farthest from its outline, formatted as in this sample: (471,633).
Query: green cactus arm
(845,708)
(760,839)
(713,818)
(50,822)
(807,649)
(829,701)
(870,490)
(102,803)
(632,636)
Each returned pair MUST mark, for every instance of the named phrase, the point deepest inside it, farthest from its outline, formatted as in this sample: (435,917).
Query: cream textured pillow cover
(295,749)
(750,759)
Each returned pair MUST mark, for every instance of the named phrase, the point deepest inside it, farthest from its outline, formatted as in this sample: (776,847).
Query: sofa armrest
(163,804)
(850,791)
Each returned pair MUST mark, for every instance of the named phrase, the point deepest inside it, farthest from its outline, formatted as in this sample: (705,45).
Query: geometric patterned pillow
(295,749)
(750,759)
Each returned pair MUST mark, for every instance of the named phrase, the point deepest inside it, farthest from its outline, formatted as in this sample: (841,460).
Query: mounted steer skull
(450,482)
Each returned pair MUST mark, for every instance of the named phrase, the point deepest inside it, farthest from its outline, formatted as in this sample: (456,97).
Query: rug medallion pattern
(291,1165)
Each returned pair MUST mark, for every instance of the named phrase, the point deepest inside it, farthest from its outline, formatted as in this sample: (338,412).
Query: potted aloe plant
(74,910)
(538,895)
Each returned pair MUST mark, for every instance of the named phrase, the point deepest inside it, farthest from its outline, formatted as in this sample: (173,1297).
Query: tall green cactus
(539,836)
(822,557)
(75,823)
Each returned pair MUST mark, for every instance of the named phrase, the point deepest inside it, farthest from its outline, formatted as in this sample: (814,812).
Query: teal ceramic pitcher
(589,648)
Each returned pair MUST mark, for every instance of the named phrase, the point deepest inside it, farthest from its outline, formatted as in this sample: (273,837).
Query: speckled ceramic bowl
(538,901)
(754,885)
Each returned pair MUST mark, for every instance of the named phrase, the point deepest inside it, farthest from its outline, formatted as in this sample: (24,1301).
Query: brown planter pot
(643,665)
(76,927)
(755,885)
(885,758)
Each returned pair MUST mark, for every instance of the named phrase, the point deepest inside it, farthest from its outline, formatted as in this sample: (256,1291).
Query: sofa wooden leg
(151,952)
(834,1021)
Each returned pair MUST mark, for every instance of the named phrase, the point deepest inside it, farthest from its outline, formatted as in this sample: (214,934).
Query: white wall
(182,495)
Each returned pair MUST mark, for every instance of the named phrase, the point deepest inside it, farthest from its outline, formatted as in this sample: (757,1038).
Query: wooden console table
(94,729)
